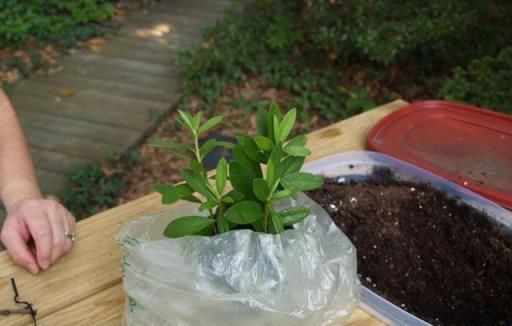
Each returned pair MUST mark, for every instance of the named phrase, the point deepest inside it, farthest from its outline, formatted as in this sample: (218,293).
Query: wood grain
(84,287)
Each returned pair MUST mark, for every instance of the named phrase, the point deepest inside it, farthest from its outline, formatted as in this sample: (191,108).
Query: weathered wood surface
(115,89)
(84,287)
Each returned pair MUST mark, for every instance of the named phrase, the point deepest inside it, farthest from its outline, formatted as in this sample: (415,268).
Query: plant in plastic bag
(250,203)
(283,262)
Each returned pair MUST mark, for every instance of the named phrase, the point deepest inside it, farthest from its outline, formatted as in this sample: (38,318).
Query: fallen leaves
(66,92)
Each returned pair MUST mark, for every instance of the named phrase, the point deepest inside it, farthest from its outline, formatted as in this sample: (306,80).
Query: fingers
(41,230)
(17,247)
(56,220)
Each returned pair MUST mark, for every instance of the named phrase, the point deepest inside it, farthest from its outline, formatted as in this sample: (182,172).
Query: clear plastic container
(358,166)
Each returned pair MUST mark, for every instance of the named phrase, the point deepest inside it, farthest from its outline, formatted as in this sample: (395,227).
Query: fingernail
(33,269)
(45,264)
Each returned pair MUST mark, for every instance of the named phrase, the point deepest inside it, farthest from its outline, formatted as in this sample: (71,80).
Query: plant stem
(197,151)
(269,206)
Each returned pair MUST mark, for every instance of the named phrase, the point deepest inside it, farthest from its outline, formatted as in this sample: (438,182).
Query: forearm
(17,177)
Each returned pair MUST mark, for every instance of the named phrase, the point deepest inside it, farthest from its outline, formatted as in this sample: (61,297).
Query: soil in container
(429,254)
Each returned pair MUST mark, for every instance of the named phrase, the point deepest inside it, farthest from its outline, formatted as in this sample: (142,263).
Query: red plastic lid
(467,145)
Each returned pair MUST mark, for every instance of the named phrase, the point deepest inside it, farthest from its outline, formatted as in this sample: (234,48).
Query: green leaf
(192,199)
(293,215)
(299,181)
(222,224)
(188,225)
(298,141)
(250,149)
(196,121)
(210,123)
(221,175)
(228,199)
(197,182)
(158,143)
(236,195)
(296,150)
(197,168)
(282,194)
(277,129)
(207,205)
(264,143)
(186,120)
(287,124)
(291,165)
(244,212)
(225,144)
(277,225)
(261,122)
(171,194)
(274,165)
(260,189)
(207,147)
(273,112)
(178,149)
(241,178)
(162,188)
(239,156)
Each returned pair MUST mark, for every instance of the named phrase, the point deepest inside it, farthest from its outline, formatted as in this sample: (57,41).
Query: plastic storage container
(359,165)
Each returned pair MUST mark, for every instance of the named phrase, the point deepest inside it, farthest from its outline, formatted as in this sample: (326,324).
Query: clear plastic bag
(303,276)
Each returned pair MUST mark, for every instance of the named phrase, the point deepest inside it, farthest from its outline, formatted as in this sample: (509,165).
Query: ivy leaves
(250,203)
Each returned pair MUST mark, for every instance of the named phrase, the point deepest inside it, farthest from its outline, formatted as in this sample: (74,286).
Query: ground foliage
(34,33)
(97,186)
(338,58)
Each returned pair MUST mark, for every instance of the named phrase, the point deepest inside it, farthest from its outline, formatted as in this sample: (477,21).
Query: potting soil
(431,255)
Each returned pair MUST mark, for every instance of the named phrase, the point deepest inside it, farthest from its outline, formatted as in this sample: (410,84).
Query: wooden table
(85,286)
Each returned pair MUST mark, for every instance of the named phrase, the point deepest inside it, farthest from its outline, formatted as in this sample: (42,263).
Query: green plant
(318,50)
(51,20)
(250,203)
(485,82)
(96,186)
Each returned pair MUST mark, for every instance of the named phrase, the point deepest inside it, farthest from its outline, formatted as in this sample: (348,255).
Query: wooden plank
(126,77)
(86,148)
(85,112)
(94,97)
(52,183)
(157,56)
(143,42)
(107,301)
(197,6)
(55,161)
(97,78)
(78,128)
(153,69)
(93,266)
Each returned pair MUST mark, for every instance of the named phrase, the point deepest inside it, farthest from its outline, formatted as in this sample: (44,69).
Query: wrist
(18,191)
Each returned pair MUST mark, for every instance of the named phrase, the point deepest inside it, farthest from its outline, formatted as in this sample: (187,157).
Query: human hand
(45,222)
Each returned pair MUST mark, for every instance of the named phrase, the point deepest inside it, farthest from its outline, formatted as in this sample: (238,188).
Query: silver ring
(70,235)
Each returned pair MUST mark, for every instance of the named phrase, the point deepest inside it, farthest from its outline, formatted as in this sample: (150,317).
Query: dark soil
(441,260)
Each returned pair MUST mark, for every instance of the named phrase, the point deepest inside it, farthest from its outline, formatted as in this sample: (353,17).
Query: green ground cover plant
(56,21)
(486,82)
(328,54)
(97,186)
(249,202)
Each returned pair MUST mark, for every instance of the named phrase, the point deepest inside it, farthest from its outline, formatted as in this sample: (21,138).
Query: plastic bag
(303,276)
